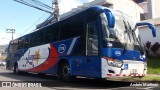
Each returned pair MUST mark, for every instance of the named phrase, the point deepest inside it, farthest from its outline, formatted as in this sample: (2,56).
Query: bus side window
(20,43)
(52,33)
(37,38)
(72,27)
(78,29)
(65,32)
(13,45)
(92,39)
(26,41)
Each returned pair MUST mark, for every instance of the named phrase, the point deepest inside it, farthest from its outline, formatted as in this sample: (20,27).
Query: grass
(153,66)
(150,78)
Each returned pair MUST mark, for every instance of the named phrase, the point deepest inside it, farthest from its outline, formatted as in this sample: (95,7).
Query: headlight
(114,62)
(142,56)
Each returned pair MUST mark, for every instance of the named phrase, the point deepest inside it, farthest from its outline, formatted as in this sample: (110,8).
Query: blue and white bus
(97,42)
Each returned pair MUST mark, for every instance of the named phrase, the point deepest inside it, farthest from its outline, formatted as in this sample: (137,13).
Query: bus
(97,42)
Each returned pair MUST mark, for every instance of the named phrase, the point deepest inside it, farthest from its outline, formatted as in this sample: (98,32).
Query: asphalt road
(48,82)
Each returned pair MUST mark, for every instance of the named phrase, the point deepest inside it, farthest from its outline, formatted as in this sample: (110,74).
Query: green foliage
(155,47)
(153,66)
(152,50)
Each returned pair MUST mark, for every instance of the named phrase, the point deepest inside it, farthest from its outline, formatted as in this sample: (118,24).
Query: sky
(24,19)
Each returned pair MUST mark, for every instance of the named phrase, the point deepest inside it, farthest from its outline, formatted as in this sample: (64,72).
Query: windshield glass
(122,35)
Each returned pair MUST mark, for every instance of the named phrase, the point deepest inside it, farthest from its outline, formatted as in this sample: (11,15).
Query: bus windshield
(122,35)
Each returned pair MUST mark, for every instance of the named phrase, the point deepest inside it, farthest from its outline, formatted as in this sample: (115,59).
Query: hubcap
(66,70)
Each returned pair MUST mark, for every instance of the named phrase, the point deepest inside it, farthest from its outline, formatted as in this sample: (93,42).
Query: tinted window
(13,45)
(52,33)
(26,41)
(20,43)
(78,28)
(91,16)
(72,27)
(65,29)
(37,38)
(78,25)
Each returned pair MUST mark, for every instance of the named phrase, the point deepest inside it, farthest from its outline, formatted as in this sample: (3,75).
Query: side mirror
(150,26)
(110,18)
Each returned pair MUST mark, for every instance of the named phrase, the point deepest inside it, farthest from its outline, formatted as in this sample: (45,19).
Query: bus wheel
(16,71)
(141,76)
(65,72)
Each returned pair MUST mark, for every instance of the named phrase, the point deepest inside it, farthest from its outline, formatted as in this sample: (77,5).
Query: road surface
(48,82)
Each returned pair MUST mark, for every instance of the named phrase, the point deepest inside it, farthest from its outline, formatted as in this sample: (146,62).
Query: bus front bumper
(128,68)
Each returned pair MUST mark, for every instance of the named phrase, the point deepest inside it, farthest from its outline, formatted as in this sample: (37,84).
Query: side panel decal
(44,57)
(71,46)
(39,62)
(51,61)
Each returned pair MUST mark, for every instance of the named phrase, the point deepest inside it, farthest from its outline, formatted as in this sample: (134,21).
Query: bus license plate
(134,71)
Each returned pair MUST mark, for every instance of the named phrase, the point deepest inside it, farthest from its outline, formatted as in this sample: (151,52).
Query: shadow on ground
(52,81)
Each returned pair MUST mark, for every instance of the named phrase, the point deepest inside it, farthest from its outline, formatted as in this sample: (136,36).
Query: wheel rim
(66,71)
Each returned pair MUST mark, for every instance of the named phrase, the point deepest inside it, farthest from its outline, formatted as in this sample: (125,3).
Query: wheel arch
(15,63)
(60,63)
(15,68)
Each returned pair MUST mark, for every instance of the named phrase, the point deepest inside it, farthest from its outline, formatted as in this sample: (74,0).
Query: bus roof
(67,15)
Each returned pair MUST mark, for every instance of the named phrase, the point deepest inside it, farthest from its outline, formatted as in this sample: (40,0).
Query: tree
(155,47)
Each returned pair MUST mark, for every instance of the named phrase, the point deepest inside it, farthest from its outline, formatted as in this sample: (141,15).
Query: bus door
(92,60)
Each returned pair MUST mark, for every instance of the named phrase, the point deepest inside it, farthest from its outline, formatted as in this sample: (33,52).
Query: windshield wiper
(126,31)
(136,39)
(133,34)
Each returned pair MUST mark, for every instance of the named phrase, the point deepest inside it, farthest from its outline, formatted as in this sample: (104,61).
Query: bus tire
(15,70)
(141,76)
(65,72)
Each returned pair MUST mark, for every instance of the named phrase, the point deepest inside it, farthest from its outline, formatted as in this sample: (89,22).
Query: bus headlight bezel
(114,62)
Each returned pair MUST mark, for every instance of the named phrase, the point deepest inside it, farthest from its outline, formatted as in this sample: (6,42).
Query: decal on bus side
(35,57)
(62,48)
